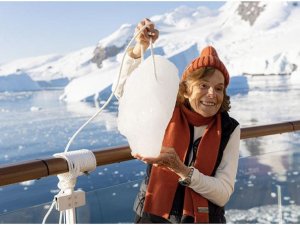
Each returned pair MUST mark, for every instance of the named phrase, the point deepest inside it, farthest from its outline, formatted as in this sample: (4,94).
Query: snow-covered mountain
(251,38)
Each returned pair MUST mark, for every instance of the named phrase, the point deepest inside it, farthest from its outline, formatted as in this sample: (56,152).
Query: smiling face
(206,94)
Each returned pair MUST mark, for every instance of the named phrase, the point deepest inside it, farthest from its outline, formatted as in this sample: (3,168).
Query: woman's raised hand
(143,39)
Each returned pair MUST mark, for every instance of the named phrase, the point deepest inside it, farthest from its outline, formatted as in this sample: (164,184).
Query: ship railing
(40,168)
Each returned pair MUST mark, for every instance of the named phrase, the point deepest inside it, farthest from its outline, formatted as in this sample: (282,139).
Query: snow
(182,57)
(147,105)
(119,37)
(269,46)
(89,85)
(279,11)
(52,67)
(182,17)
(27,64)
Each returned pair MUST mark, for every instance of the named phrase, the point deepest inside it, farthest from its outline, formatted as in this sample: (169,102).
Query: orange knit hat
(208,58)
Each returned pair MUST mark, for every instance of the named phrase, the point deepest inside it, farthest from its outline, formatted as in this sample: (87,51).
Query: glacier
(257,38)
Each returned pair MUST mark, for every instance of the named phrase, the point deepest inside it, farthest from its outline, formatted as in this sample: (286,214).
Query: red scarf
(163,182)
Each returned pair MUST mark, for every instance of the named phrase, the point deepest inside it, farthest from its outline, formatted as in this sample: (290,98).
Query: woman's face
(206,95)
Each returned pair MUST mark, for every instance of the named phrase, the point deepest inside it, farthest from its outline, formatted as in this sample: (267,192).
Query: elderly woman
(193,177)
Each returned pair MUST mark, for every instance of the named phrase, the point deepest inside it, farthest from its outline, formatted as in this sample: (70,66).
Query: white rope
(48,212)
(112,94)
(152,54)
(78,162)
(60,217)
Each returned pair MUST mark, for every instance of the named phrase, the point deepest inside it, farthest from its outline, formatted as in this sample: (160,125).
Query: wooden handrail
(35,169)
(270,129)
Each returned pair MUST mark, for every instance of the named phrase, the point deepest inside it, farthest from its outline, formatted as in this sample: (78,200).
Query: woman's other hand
(143,39)
(167,158)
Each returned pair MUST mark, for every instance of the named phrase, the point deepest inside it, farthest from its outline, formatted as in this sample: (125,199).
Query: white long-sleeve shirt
(219,188)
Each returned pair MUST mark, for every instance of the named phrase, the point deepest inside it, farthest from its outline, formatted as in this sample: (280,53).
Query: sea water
(34,125)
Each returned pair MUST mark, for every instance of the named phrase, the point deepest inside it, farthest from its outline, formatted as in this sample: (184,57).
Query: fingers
(148,160)
(155,35)
(151,160)
(149,26)
(136,155)
(167,158)
(148,23)
(147,33)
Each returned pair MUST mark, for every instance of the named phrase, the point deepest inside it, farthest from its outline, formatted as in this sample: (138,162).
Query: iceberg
(19,81)
(147,105)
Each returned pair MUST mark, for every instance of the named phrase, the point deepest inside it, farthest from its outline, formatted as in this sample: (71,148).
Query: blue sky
(39,28)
